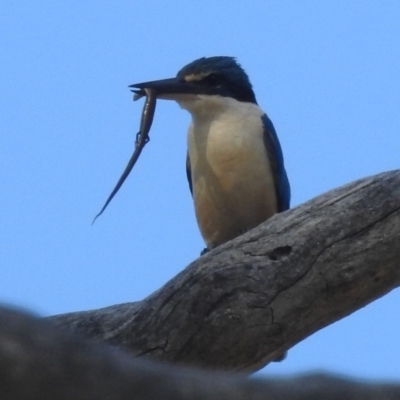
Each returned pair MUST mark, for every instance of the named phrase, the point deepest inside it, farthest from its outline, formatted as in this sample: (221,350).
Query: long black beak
(164,87)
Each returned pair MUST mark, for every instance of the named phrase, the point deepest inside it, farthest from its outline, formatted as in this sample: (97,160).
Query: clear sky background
(326,72)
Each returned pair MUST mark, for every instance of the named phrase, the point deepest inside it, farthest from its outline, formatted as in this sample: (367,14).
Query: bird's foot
(204,251)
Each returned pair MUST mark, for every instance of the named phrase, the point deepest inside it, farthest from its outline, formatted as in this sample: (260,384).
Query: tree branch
(245,303)
(38,361)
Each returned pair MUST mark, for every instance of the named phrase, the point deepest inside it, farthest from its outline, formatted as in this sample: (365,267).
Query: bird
(234,165)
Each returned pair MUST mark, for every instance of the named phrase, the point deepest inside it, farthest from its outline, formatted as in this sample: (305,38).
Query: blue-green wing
(189,173)
(275,155)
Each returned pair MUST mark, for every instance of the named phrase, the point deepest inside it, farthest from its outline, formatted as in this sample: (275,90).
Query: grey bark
(248,301)
(40,362)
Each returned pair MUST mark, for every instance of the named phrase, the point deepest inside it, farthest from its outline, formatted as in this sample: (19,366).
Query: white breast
(233,186)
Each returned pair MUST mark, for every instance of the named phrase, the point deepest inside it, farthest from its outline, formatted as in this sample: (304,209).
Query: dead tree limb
(248,301)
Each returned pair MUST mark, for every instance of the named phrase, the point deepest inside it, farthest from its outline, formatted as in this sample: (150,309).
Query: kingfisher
(234,163)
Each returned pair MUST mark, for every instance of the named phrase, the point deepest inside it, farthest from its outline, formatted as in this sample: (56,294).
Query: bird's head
(202,79)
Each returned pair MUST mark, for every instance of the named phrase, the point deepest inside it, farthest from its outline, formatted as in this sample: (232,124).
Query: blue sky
(326,72)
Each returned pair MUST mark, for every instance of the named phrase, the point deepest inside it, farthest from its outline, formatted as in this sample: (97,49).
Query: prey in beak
(168,89)
(142,137)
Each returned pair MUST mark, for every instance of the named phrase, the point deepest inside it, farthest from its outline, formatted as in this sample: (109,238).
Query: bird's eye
(213,80)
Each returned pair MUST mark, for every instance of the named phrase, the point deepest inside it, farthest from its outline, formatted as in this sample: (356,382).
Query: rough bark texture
(245,303)
(40,362)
